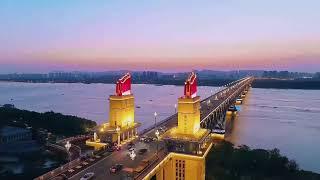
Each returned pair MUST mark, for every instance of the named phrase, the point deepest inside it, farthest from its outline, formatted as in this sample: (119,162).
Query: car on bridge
(163,129)
(149,139)
(130,145)
(113,148)
(142,151)
(116,168)
(87,176)
(142,138)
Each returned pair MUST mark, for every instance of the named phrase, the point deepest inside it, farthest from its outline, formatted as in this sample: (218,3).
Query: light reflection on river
(286,119)
(269,118)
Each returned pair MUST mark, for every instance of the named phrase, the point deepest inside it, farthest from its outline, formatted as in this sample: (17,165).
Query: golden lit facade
(121,112)
(121,126)
(187,143)
(188,115)
(178,166)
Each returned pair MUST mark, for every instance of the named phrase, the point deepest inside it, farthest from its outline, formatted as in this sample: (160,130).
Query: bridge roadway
(101,167)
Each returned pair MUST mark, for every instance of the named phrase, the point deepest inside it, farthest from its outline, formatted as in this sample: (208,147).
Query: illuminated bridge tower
(188,144)
(121,126)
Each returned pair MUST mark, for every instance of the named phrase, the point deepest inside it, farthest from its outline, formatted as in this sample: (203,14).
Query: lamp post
(132,155)
(155,119)
(94,136)
(68,145)
(175,108)
(157,135)
(118,132)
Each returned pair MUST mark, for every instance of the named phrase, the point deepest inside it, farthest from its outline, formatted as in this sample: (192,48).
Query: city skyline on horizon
(43,36)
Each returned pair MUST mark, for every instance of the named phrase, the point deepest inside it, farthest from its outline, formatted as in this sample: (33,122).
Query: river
(269,118)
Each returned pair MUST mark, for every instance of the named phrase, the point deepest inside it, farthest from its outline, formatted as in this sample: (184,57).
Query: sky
(163,35)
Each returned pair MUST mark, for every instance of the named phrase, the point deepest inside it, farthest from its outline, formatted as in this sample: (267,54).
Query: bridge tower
(187,143)
(121,107)
(121,126)
(189,108)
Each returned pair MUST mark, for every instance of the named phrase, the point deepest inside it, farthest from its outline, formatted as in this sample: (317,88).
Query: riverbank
(225,161)
(273,83)
(313,84)
(56,123)
(17,162)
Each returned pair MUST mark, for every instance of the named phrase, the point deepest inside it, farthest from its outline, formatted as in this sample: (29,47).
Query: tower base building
(187,144)
(121,126)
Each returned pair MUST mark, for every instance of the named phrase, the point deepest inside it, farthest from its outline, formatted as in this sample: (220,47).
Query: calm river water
(286,119)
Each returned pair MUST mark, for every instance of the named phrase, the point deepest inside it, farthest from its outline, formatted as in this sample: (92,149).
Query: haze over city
(42,36)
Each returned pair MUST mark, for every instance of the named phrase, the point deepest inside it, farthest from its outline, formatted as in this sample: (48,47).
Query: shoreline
(258,83)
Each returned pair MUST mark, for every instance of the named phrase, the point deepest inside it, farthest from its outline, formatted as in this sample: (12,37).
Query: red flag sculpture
(190,86)
(124,85)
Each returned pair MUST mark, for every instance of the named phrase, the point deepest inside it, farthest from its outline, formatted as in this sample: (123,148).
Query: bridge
(212,117)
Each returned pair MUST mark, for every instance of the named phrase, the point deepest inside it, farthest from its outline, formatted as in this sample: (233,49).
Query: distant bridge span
(213,114)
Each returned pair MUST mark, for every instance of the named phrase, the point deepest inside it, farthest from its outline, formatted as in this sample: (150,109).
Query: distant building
(9,134)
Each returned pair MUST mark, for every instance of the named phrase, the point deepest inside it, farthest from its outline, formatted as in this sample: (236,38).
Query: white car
(87,176)
(130,151)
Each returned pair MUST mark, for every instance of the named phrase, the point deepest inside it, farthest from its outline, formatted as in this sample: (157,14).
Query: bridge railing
(239,90)
(59,170)
(144,131)
(160,156)
(73,138)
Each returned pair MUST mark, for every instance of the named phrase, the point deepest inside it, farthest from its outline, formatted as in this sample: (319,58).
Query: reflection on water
(91,100)
(18,165)
(269,118)
(285,119)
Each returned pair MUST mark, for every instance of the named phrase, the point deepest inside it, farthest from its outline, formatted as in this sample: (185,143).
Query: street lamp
(157,135)
(94,136)
(175,108)
(118,132)
(68,145)
(155,119)
(132,155)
